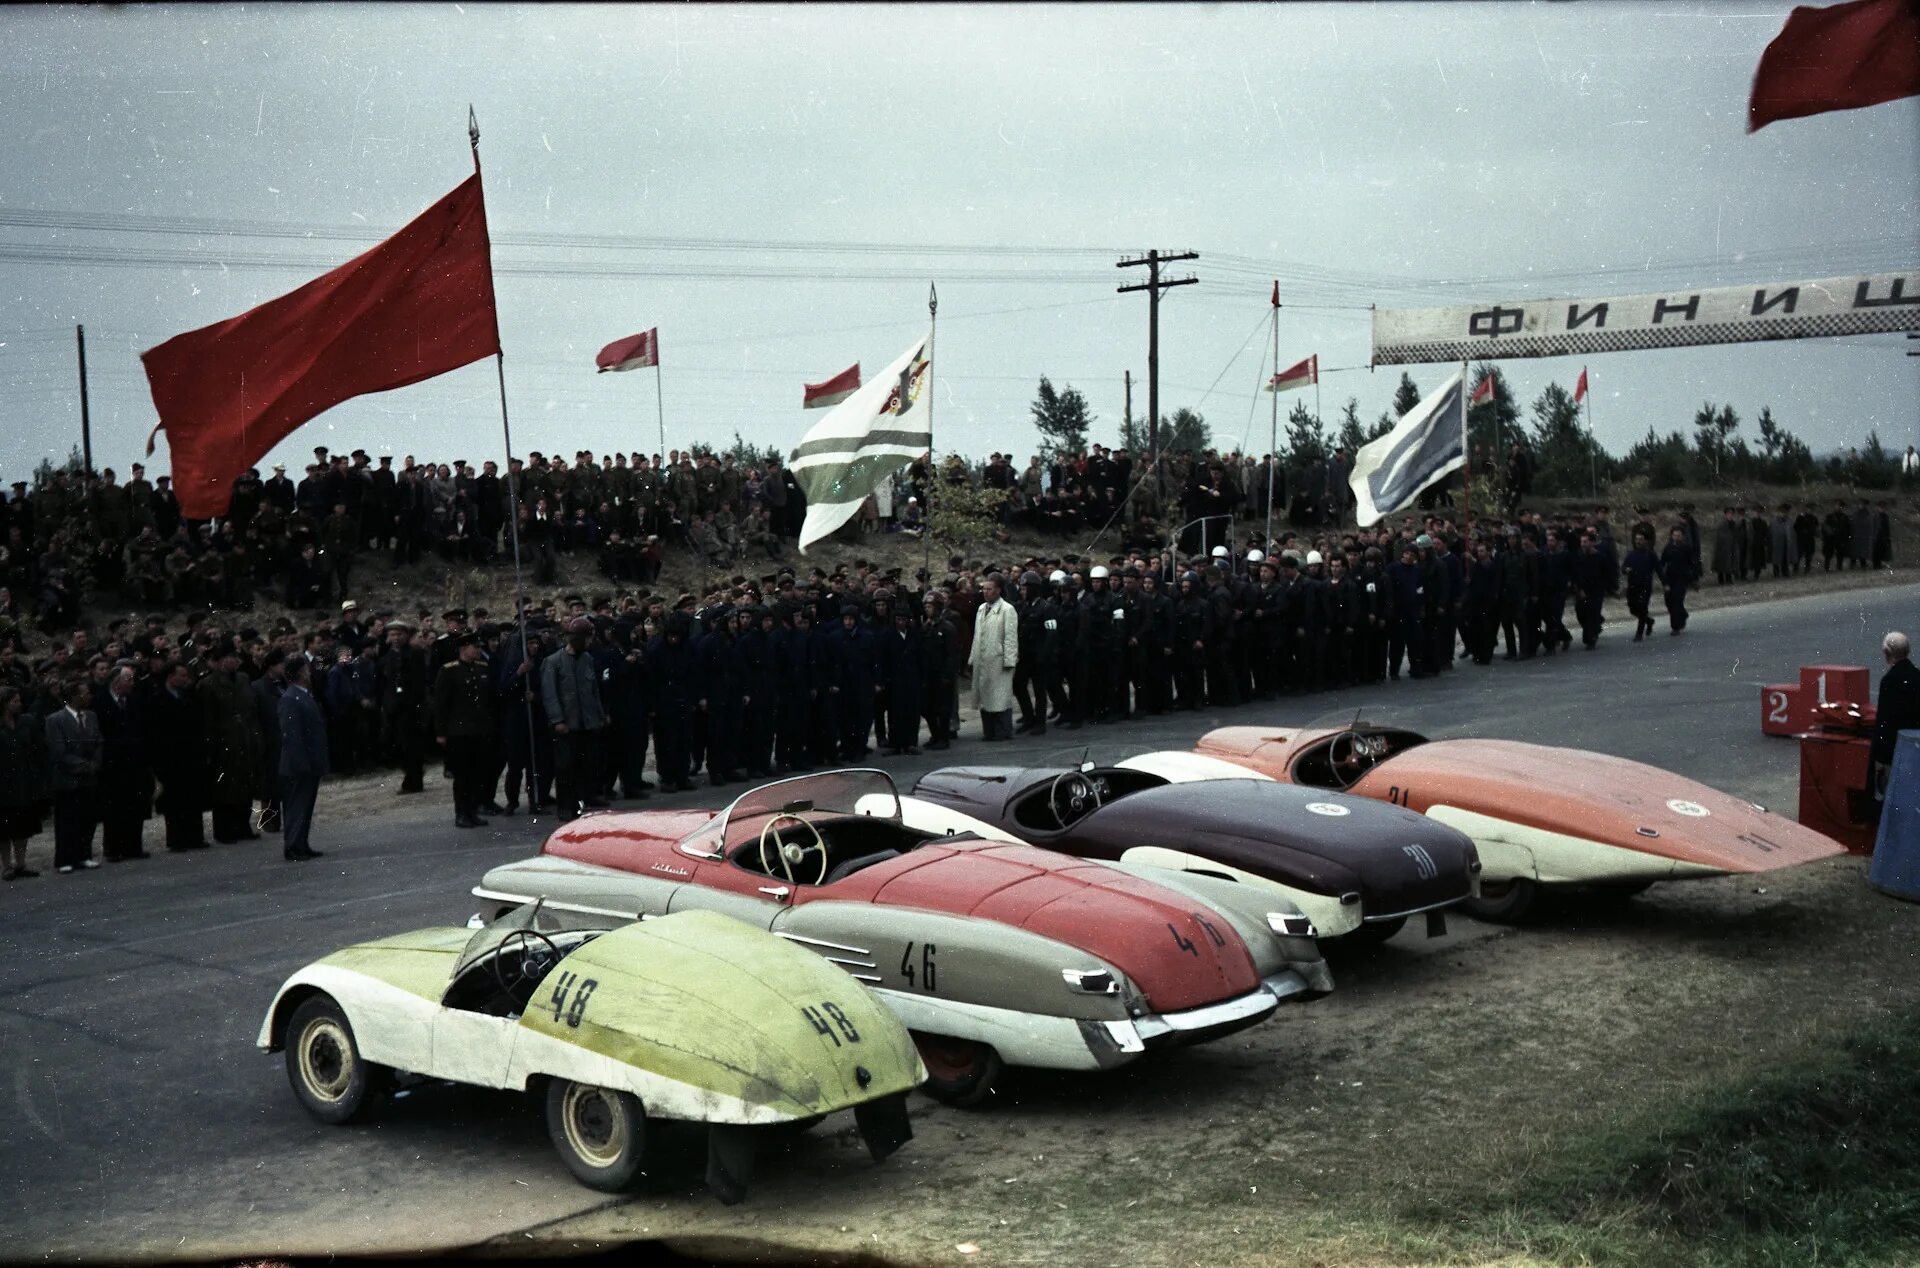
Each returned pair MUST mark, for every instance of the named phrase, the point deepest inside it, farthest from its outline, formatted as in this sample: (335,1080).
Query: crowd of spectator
(756,675)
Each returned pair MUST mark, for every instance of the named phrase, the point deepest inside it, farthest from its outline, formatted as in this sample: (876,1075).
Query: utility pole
(1153,286)
(1127,426)
(86,419)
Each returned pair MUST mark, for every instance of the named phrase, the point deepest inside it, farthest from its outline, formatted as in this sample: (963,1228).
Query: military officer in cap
(1039,653)
(404,702)
(464,714)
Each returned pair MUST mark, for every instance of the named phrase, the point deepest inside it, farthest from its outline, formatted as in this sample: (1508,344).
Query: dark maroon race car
(1355,867)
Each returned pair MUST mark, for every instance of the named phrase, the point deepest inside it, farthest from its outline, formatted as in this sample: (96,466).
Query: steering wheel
(1350,755)
(538,955)
(790,853)
(1072,797)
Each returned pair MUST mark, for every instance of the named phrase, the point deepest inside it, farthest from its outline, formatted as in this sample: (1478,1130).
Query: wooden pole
(86,418)
(933,469)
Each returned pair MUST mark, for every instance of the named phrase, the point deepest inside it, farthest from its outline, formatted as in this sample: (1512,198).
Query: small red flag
(1580,388)
(417,305)
(833,391)
(1304,374)
(1276,293)
(1484,392)
(635,352)
(1838,58)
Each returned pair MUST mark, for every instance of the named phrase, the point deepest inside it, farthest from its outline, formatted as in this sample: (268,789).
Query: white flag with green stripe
(882,427)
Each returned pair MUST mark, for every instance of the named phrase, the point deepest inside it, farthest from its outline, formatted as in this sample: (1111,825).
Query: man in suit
(73,750)
(303,758)
(177,754)
(126,781)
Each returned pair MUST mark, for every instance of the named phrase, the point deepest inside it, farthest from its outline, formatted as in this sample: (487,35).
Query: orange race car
(1541,817)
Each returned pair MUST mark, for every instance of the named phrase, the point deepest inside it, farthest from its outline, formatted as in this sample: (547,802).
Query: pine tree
(1306,436)
(1352,433)
(1406,396)
(1186,432)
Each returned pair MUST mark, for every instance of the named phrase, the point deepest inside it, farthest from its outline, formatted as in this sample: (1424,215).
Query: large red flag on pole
(419,304)
(1841,57)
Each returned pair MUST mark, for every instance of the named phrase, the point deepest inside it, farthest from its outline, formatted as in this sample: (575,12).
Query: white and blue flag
(1427,443)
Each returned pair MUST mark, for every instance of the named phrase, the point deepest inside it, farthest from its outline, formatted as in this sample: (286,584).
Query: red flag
(1484,392)
(1838,58)
(635,352)
(1580,388)
(1305,374)
(417,305)
(1276,294)
(833,391)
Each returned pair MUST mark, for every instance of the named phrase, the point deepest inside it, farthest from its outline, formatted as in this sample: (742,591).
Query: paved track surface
(142,1122)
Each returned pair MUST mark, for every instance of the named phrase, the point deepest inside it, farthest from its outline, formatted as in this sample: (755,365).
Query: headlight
(1090,981)
(1291,926)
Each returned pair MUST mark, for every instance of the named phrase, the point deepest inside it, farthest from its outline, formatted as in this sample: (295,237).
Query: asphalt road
(141,1122)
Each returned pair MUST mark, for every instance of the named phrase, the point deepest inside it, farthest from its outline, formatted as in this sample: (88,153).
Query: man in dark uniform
(1519,582)
(1407,590)
(1556,577)
(1342,601)
(403,703)
(790,657)
(897,659)
(1103,622)
(854,682)
(177,752)
(1269,665)
(1070,698)
(941,651)
(629,716)
(673,689)
(1039,654)
(1223,689)
(1158,637)
(1192,632)
(1676,573)
(1588,573)
(464,713)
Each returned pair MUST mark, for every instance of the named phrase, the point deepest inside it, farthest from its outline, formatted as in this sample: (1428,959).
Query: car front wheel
(960,1072)
(601,1133)
(1505,902)
(333,1081)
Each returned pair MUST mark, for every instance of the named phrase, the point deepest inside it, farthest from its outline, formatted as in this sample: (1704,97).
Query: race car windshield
(825,796)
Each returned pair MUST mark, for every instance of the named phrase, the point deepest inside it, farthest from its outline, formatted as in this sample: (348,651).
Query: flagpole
(1466,465)
(658,403)
(933,469)
(1593,449)
(1273,426)
(513,494)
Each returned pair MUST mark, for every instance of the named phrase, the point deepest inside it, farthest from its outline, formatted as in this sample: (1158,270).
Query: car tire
(1506,902)
(333,1081)
(601,1134)
(960,1072)
(1373,933)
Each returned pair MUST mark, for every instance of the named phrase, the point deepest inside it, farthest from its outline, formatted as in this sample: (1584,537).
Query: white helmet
(1254,557)
(1219,552)
(1313,557)
(1058,577)
(1099,571)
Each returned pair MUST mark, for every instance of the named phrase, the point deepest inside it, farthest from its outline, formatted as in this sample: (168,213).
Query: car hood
(627,841)
(1180,953)
(1600,798)
(1397,860)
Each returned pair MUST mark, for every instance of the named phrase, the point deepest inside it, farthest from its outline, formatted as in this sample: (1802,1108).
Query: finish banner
(1862,305)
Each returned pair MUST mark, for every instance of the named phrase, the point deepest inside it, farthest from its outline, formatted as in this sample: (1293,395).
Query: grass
(1818,1164)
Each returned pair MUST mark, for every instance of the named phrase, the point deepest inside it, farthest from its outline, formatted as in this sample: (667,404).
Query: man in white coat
(996,651)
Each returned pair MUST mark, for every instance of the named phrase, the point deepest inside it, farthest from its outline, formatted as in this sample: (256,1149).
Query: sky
(776,188)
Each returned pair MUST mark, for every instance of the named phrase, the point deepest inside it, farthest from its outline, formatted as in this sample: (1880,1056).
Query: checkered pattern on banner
(1866,321)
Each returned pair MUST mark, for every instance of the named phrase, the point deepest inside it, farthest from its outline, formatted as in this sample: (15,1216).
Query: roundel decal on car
(1327,808)
(1691,809)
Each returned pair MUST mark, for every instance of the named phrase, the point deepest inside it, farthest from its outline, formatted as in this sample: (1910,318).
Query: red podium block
(1833,788)
(1835,684)
(1783,709)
